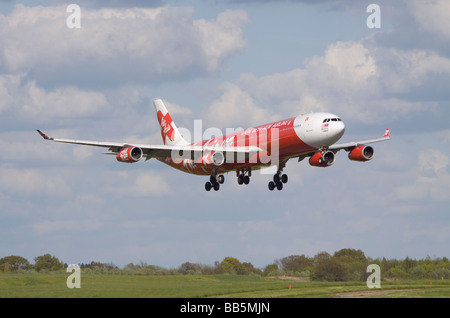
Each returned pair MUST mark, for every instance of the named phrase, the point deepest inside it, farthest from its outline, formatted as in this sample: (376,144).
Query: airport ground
(50,285)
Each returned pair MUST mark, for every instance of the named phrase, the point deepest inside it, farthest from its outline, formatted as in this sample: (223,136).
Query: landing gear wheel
(243,176)
(280,186)
(216,186)
(276,178)
(208,186)
(221,179)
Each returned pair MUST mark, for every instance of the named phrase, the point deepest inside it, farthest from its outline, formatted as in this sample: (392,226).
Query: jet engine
(361,153)
(322,159)
(130,154)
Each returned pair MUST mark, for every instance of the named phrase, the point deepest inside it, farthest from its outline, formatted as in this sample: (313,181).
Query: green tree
(230,265)
(387,265)
(248,268)
(271,269)
(354,262)
(14,263)
(328,268)
(47,262)
(350,253)
(295,263)
(189,268)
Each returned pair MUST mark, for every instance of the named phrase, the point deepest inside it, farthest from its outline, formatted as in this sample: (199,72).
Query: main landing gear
(243,176)
(214,182)
(278,179)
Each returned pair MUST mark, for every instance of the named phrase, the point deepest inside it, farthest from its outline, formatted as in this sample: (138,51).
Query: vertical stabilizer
(169,131)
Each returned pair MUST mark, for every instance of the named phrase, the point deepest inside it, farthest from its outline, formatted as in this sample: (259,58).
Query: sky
(229,64)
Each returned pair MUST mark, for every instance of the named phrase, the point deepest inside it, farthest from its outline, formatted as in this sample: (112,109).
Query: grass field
(205,286)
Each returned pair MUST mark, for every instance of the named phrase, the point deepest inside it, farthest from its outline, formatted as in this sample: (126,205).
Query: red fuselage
(285,139)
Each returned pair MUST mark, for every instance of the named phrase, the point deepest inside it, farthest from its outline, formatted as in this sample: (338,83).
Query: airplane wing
(163,151)
(350,145)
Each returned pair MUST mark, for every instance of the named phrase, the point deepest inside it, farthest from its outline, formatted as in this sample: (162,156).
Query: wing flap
(194,152)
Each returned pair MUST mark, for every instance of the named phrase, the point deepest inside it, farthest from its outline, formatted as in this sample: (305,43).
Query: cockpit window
(326,120)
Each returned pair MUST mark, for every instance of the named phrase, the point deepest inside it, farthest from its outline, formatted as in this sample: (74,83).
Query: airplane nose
(340,128)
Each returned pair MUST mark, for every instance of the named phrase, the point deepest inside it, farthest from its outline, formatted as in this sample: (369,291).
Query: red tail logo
(166,126)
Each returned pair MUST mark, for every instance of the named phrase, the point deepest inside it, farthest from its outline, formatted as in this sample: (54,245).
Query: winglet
(44,135)
(386,133)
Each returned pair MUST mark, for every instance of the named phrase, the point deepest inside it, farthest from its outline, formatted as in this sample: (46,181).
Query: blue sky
(232,64)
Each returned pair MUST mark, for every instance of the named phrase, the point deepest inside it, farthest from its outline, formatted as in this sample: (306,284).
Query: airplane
(312,135)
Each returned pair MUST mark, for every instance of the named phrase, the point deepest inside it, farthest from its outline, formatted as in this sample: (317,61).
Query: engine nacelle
(213,158)
(322,159)
(361,153)
(130,154)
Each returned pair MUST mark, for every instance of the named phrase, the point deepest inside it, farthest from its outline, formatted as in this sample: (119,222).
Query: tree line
(344,265)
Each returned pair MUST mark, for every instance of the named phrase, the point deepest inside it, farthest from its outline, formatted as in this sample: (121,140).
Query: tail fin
(169,131)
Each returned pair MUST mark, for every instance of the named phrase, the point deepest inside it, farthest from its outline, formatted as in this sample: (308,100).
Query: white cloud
(8,84)
(30,145)
(117,45)
(141,184)
(220,39)
(30,101)
(432,15)
(61,102)
(177,109)
(44,228)
(235,108)
(429,178)
(359,82)
(346,66)
(275,88)
(360,225)
(433,160)
(28,182)
(403,71)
